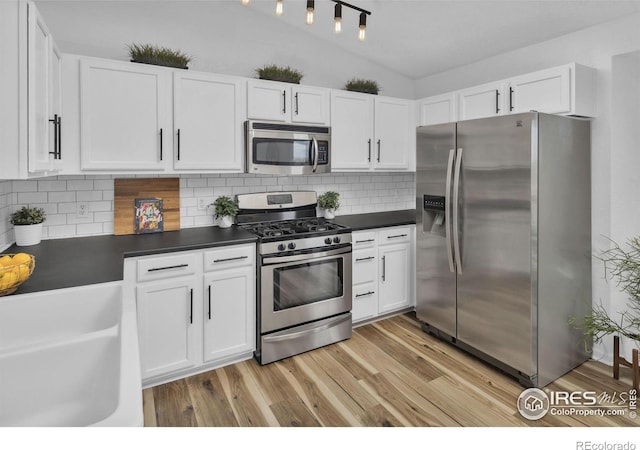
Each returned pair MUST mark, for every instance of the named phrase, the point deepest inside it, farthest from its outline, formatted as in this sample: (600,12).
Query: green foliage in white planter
(28,216)
(225,206)
(329,200)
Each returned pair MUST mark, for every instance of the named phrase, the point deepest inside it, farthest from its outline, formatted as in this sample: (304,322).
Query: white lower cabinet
(165,326)
(196,310)
(383,271)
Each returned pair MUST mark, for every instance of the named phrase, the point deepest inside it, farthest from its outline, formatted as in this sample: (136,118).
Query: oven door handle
(297,334)
(269,260)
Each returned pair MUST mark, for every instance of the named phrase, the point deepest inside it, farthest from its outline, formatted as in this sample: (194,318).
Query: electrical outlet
(82,209)
(202,204)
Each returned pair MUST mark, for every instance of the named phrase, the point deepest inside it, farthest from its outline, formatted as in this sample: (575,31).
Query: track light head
(337,18)
(362,32)
(310,9)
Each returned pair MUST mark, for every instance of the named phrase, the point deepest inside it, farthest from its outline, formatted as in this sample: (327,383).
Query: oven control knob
(327,241)
(281,247)
(292,245)
(336,240)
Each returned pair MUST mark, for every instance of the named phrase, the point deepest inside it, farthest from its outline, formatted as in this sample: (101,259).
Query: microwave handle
(315,153)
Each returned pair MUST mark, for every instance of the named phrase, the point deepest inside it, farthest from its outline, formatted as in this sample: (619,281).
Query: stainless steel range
(304,274)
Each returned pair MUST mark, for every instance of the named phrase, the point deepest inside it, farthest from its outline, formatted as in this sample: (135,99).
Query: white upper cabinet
(125,116)
(547,91)
(438,109)
(481,101)
(370,132)
(567,89)
(351,131)
(283,102)
(30,108)
(392,133)
(207,120)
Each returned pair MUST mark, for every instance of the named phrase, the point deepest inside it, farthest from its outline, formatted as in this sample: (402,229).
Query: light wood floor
(389,374)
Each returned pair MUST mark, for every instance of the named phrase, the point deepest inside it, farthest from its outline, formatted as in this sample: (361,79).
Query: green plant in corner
(28,216)
(362,85)
(225,206)
(159,56)
(329,200)
(623,266)
(279,73)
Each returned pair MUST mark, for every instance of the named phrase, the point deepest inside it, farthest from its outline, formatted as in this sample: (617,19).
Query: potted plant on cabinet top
(329,202)
(27,225)
(361,85)
(158,56)
(226,209)
(278,73)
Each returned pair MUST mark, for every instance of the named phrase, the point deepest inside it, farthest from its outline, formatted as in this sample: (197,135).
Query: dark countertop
(359,222)
(62,263)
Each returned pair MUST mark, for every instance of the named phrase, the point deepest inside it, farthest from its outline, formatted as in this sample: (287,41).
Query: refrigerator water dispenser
(433,214)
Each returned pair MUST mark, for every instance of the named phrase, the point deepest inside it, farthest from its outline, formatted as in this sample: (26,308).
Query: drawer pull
(396,236)
(365,294)
(366,240)
(155,269)
(229,259)
(365,259)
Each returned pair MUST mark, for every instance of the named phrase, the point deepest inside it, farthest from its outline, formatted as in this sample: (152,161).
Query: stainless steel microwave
(287,149)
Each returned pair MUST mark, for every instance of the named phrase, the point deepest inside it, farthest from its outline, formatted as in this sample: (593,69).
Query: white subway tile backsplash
(32,197)
(360,193)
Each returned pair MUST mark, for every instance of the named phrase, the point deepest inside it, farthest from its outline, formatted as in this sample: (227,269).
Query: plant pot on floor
(27,234)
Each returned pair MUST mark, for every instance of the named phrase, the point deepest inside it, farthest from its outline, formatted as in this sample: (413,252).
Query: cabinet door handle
(365,294)
(366,240)
(178,266)
(369,142)
(284,101)
(497,101)
(396,236)
(209,302)
(510,98)
(384,268)
(59,137)
(178,144)
(365,259)
(160,144)
(191,306)
(229,259)
(378,150)
(55,136)
(297,106)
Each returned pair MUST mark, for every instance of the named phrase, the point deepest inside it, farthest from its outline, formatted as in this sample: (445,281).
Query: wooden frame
(618,360)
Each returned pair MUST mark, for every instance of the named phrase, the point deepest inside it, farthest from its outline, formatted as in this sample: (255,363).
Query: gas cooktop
(286,229)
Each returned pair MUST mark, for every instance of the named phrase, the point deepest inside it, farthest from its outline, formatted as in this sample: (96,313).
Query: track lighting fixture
(337,18)
(310,8)
(337,15)
(363,27)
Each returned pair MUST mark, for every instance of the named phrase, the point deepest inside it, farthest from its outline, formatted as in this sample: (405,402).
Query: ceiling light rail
(337,15)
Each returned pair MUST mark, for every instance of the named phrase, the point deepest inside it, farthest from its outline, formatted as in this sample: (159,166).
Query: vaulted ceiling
(413,38)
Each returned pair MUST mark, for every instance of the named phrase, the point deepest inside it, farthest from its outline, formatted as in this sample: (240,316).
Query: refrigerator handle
(447,209)
(456,218)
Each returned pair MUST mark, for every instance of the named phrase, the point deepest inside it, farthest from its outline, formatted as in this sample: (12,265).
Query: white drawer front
(395,235)
(364,266)
(363,239)
(232,256)
(365,302)
(161,267)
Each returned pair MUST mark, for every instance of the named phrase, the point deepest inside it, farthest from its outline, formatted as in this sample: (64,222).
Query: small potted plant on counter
(226,209)
(27,225)
(329,202)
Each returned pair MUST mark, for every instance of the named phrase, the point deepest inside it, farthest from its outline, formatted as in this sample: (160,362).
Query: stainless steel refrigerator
(504,239)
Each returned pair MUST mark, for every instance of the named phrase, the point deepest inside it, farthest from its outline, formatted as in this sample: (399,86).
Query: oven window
(282,152)
(306,283)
